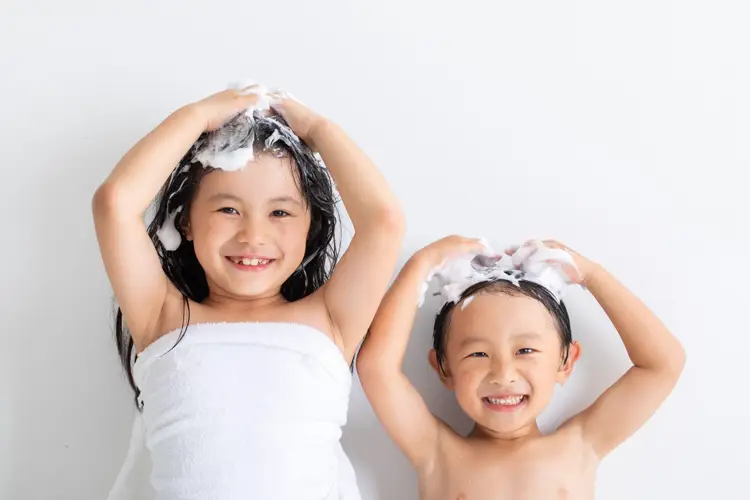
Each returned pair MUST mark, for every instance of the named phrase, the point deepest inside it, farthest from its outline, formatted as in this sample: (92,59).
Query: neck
(487,434)
(233,304)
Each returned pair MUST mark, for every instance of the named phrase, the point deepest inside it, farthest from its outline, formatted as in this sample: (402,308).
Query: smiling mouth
(250,262)
(505,403)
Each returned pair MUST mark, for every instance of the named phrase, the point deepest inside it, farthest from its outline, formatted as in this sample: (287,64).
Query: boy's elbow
(675,362)
(680,360)
(363,360)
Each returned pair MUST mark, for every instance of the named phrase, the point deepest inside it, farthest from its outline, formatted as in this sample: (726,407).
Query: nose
(253,230)
(503,372)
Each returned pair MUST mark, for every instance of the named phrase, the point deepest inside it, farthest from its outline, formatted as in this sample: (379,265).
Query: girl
(501,343)
(243,342)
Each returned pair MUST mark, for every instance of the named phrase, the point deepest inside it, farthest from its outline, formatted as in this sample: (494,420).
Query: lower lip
(505,408)
(245,268)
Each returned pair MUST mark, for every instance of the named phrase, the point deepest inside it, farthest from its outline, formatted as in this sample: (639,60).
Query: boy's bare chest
(537,473)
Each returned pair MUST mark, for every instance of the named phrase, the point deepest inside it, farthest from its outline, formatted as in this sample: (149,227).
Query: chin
(258,290)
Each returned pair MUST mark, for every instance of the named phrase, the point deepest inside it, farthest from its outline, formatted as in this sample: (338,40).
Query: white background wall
(619,128)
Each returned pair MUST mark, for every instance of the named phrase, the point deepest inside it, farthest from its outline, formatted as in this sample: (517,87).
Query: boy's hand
(585,267)
(437,253)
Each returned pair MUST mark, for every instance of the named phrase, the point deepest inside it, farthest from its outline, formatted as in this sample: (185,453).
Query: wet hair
(499,286)
(267,135)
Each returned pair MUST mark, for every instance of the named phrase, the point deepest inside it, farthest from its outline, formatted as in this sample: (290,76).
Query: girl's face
(249,228)
(503,359)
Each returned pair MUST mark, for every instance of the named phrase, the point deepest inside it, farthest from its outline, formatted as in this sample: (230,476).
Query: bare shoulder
(450,445)
(170,318)
(437,474)
(317,314)
(310,311)
(569,436)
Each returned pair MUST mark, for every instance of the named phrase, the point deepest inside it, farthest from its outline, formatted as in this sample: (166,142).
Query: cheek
(541,373)
(469,377)
(210,233)
(293,235)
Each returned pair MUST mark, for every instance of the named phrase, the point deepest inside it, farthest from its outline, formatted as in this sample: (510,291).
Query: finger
(512,249)
(570,270)
(573,273)
(555,244)
(523,253)
(279,106)
(476,245)
(459,245)
(252,89)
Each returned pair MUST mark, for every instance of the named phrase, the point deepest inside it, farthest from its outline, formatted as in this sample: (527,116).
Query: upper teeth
(511,400)
(252,262)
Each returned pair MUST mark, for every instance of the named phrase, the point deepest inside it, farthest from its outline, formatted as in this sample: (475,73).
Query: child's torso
(554,467)
(239,410)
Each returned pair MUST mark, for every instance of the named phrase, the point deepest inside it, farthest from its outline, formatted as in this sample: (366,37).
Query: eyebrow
(225,196)
(527,335)
(287,199)
(472,340)
(233,197)
(477,340)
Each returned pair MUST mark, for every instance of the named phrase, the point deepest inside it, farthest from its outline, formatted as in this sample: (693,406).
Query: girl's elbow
(104,200)
(392,221)
(111,200)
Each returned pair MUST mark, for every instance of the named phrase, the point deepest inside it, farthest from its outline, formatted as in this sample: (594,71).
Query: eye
(526,350)
(228,210)
(478,355)
(280,213)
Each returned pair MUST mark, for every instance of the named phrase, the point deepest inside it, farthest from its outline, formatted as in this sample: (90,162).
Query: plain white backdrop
(619,128)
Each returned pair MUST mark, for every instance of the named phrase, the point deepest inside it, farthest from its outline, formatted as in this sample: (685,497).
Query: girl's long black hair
(267,135)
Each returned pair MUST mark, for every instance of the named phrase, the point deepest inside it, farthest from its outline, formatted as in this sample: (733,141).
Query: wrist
(192,113)
(594,272)
(422,262)
(319,129)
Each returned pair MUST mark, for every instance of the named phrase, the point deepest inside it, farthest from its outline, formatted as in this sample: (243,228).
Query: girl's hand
(435,254)
(303,121)
(585,267)
(217,109)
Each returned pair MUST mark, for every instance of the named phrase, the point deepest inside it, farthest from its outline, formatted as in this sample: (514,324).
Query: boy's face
(503,357)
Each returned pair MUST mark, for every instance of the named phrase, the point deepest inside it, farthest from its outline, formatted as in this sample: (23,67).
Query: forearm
(388,337)
(369,200)
(649,343)
(139,175)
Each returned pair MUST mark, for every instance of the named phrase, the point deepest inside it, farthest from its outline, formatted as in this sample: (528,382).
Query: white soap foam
(168,234)
(232,159)
(467,302)
(228,161)
(534,262)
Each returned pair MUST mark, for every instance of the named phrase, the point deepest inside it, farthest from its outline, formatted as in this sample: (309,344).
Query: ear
(186,230)
(445,377)
(574,353)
